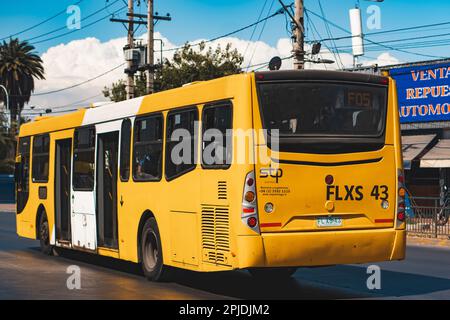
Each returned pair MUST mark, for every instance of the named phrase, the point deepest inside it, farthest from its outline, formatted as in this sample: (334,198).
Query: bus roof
(200,93)
(321,75)
(197,93)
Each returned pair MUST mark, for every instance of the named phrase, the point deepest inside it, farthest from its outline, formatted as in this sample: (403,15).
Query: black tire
(44,235)
(151,253)
(273,273)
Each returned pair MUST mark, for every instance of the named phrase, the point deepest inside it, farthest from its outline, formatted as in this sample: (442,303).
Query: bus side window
(147,151)
(84,159)
(125,144)
(217,122)
(23,174)
(40,161)
(181,143)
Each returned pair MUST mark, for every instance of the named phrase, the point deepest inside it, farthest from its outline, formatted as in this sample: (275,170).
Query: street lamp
(7,96)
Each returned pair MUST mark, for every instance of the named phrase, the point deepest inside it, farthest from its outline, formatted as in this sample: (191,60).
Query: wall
(7,193)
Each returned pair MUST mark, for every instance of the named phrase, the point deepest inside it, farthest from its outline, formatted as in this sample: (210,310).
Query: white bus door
(84,229)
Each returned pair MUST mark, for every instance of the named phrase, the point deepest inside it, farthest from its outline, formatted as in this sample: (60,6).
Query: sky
(73,56)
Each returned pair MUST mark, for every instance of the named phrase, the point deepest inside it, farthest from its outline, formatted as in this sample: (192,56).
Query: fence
(426,217)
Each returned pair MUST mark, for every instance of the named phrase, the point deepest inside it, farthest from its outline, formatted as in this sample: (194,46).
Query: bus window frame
(130,153)
(40,154)
(21,206)
(133,152)
(90,127)
(212,105)
(195,164)
(371,143)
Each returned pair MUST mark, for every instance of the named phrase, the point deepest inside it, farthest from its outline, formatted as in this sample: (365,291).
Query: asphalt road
(27,274)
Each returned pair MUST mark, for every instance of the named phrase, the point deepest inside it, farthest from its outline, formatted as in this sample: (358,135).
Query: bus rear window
(323,109)
(324,117)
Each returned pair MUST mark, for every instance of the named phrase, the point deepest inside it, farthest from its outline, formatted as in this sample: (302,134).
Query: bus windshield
(323,109)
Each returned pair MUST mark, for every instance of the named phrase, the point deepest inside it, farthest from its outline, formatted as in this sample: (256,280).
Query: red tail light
(249,212)
(401,209)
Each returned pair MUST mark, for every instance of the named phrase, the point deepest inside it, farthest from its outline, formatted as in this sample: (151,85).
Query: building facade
(424,108)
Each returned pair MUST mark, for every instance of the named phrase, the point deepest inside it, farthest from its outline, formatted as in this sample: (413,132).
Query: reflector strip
(384,220)
(270,225)
(248,210)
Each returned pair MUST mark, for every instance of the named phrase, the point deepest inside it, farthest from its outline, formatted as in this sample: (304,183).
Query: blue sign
(423,92)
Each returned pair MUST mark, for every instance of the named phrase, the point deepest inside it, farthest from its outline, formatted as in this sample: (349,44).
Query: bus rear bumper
(321,249)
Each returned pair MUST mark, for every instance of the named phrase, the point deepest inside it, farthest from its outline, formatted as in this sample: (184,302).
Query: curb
(428,242)
(7,208)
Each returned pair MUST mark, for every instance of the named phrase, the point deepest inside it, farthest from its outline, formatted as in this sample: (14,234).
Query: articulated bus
(318,180)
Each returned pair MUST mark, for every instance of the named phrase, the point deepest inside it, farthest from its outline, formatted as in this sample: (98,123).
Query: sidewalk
(8,208)
(428,242)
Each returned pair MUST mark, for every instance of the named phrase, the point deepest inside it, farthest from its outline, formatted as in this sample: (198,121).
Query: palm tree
(19,66)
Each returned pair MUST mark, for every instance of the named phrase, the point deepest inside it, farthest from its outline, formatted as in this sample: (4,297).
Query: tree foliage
(188,65)
(19,67)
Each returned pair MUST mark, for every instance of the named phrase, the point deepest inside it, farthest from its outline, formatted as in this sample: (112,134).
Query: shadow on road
(338,282)
(393,283)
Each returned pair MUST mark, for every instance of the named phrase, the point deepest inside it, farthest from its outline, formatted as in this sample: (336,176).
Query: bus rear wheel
(272,273)
(151,253)
(44,235)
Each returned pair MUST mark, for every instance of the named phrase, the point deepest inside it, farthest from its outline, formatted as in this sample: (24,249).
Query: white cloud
(79,60)
(383,59)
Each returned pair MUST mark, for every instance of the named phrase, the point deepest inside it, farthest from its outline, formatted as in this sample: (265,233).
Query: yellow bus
(317,179)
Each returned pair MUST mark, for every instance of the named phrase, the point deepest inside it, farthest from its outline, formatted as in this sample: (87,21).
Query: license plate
(329,222)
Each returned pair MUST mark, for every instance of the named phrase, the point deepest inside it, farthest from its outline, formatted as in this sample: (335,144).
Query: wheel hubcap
(150,251)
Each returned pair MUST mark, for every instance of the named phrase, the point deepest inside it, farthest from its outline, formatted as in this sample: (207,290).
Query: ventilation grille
(222,190)
(215,234)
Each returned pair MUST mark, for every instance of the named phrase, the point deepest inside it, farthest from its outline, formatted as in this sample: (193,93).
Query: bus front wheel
(272,273)
(44,235)
(151,253)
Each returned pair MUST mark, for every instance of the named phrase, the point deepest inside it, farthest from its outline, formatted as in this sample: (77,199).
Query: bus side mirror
(18,168)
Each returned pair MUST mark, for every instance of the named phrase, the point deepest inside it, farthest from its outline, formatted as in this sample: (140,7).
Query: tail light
(249,212)
(401,209)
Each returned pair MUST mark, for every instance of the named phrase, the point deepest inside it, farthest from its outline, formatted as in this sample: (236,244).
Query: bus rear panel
(330,194)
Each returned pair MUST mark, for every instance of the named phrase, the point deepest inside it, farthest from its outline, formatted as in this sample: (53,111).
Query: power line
(77,102)
(391,31)
(280,11)
(374,42)
(75,30)
(337,57)
(40,23)
(83,19)
(254,29)
(75,85)
(314,30)
(260,34)
(264,64)
(79,84)
(408,39)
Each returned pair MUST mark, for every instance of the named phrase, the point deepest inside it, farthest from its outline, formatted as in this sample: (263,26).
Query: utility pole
(299,33)
(135,53)
(130,76)
(150,49)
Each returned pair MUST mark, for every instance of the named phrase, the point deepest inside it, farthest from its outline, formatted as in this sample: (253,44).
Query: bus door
(62,190)
(107,166)
(83,190)
(106,205)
